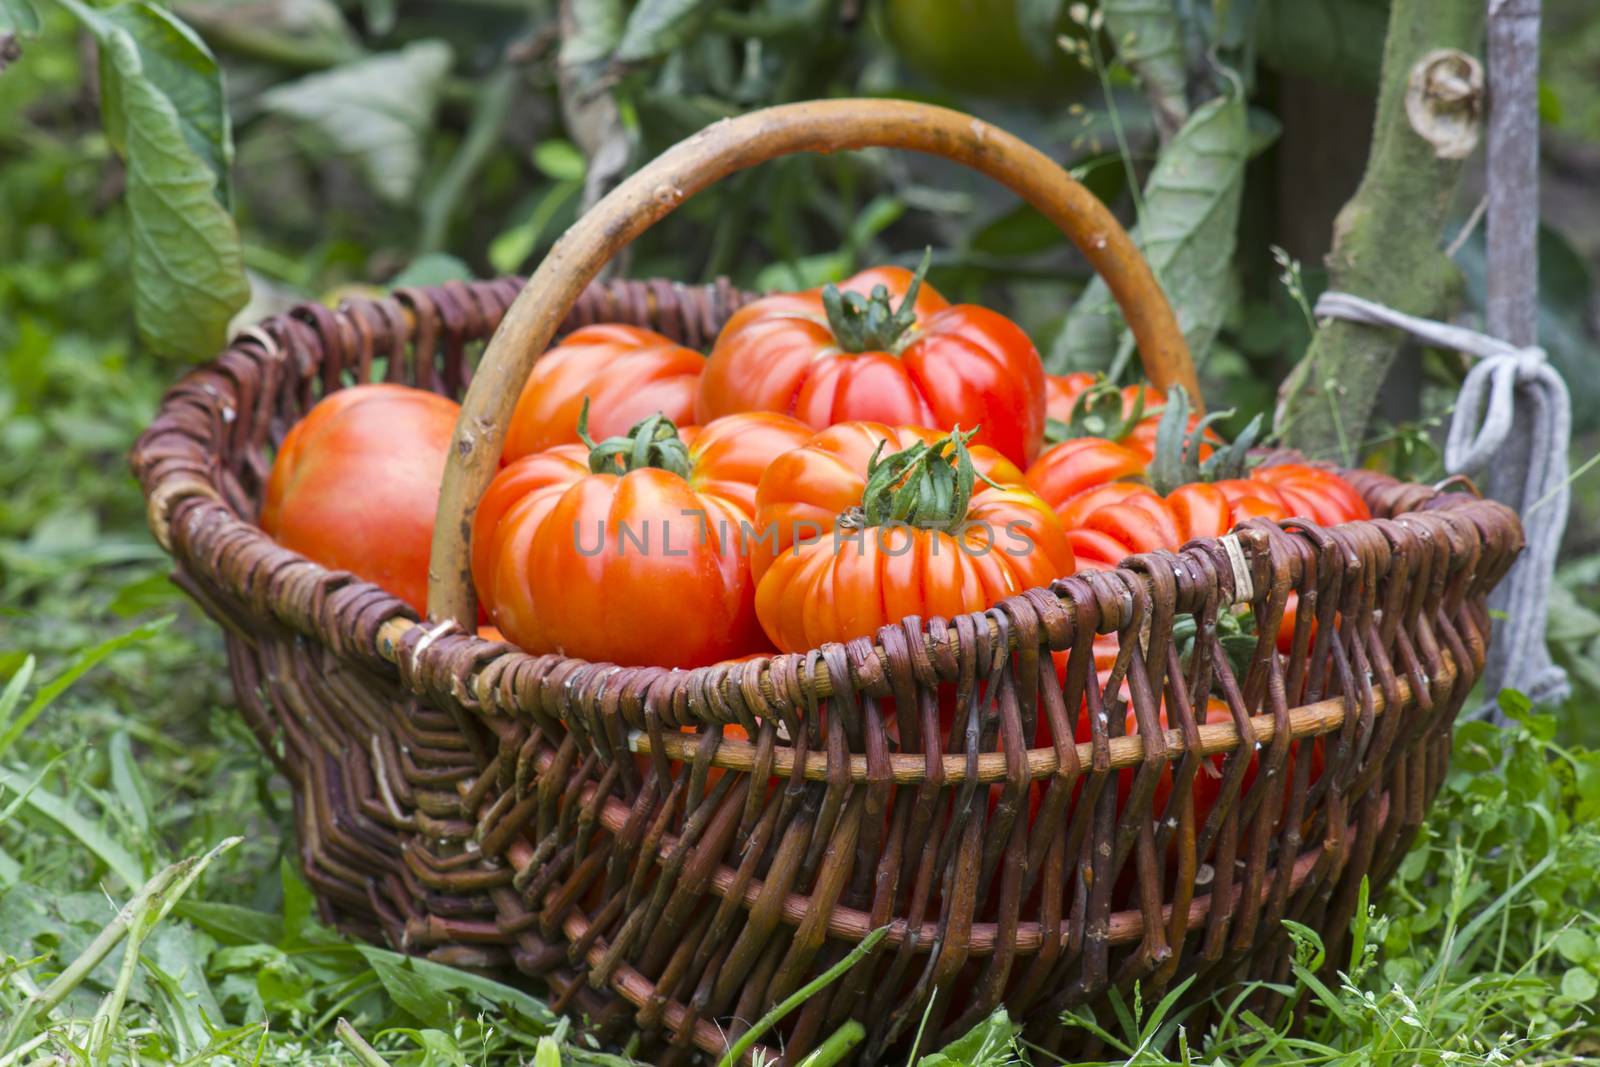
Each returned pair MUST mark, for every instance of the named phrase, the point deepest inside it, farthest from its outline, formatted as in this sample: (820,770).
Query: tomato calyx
(1177,460)
(872,323)
(652,442)
(1235,633)
(1097,412)
(928,486)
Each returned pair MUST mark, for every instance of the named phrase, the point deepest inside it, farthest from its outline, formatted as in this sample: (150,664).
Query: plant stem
(482,138)
(837,1046)
(748,1039)
(363,1052)
(1386,242)
(149,906)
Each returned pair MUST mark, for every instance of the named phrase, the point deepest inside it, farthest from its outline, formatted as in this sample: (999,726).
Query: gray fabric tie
(1512,423)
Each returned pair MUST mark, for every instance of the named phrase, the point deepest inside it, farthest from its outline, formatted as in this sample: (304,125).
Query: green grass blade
(85,661)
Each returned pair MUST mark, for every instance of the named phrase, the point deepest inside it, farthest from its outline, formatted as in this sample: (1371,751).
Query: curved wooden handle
(715,152)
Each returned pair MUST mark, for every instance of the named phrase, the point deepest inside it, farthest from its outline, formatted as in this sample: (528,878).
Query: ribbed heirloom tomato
(625,373)
(893,534)
(881,346)
(1179,494)
(630,551)
(355,485)
(1084,405)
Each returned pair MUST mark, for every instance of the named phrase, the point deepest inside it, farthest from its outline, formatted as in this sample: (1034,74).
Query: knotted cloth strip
(1512,424)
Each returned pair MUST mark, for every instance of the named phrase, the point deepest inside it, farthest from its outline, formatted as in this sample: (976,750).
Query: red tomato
(1083,405)
(355,485)
(1069,468)
(638,564)
(806,489)
(729,456)
(627,373)
(881,347)
(1202,510)
(1314,493)
(943,549)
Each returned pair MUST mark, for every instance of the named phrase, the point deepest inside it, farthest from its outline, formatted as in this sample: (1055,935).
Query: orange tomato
(915,538)
(627,373)
(629,552)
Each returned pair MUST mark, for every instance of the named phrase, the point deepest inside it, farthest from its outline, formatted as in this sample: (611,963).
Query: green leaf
(88,833)
(1148,36)
(377,110)
(656,27)
(232,924)
(143,594)
(298,905)
(298,34)
(85,660)
(19,17)
(188,265)
(1022,231)
(511,249)
(548,1053)
(596,29)
(12,696)
(559,160)
(1579,985)
(992,1043)
(179,65)
(1515,704)
(1188,234)
(807,272)
(128,781)
(435,268)
(1576,946)
(427,990)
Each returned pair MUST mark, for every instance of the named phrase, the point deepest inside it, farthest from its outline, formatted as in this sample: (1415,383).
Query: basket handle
(717,151)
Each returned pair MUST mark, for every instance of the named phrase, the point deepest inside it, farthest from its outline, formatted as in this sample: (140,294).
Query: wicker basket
(460,799)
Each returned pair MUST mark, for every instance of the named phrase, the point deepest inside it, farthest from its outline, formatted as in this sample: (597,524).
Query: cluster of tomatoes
(844,457)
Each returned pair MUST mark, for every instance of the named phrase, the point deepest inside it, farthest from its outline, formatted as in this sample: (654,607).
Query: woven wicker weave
(459,799)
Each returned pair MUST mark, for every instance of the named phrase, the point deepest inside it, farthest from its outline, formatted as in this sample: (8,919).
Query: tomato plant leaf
(1149,38)
(1188,233)
(656,27)
(161,93)
(176,62)
(591,31)
(301,35)
(377,111)
(19,17)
